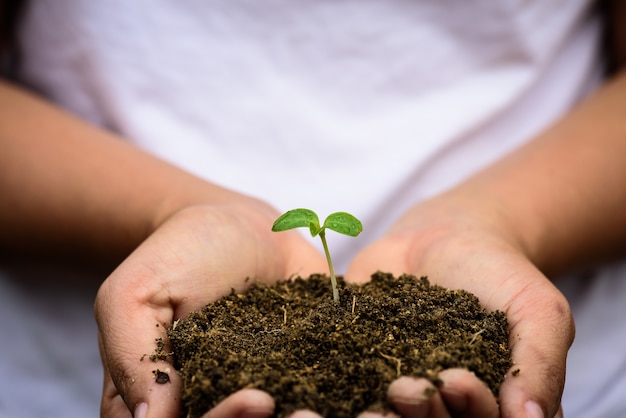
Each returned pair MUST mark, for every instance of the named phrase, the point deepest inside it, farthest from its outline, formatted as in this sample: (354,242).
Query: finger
(303,259)
(467,396)
(112,404)
(247,403)
(305,414)
(416,398)
(535,388)
(380,256)
(369,414)
(129,327)
(560,413)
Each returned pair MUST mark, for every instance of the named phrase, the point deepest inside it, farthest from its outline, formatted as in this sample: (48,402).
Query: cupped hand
(198,255)
(458,250)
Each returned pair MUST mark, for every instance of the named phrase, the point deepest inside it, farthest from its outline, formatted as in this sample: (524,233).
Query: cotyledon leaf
(298,218)
(344,223)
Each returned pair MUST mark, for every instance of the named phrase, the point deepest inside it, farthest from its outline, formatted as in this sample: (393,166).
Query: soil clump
(291,340)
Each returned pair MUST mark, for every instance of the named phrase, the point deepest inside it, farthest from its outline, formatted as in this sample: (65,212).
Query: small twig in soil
(276,293)
(397,360)
(284,314)
(353,303)
(475,335)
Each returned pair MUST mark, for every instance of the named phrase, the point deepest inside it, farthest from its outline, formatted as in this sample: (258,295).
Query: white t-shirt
(360,106)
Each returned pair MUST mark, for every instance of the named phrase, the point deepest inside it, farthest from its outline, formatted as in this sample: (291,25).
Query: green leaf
(344,223)
(298,218)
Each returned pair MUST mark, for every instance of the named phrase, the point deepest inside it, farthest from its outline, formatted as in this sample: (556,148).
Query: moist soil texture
(293,341)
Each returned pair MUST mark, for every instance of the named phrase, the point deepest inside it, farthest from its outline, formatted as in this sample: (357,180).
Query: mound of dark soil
(292,341)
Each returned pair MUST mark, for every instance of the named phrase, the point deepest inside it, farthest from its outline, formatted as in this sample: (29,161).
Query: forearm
(70,187)
(562,198)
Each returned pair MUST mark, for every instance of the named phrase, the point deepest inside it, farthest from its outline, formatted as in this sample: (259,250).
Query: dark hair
(615,34)
(10,12)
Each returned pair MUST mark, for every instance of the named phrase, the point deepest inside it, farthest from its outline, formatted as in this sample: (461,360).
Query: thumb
(386,255)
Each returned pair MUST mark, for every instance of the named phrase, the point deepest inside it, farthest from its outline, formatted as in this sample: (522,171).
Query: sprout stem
(333,279)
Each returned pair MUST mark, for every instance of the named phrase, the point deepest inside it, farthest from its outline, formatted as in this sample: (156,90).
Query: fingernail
(305,413)
(533,410)
(368,414)
(141,411)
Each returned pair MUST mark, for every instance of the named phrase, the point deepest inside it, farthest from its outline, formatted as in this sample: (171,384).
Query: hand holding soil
(459,249)
(149,289)
(197,256)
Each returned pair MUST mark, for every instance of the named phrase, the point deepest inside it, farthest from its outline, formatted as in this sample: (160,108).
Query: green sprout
(341,222)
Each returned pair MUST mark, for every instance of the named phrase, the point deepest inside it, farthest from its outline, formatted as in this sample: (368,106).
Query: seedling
(341,222)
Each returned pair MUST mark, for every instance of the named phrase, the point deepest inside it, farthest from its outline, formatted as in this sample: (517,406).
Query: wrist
(517,223)
(459,214)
